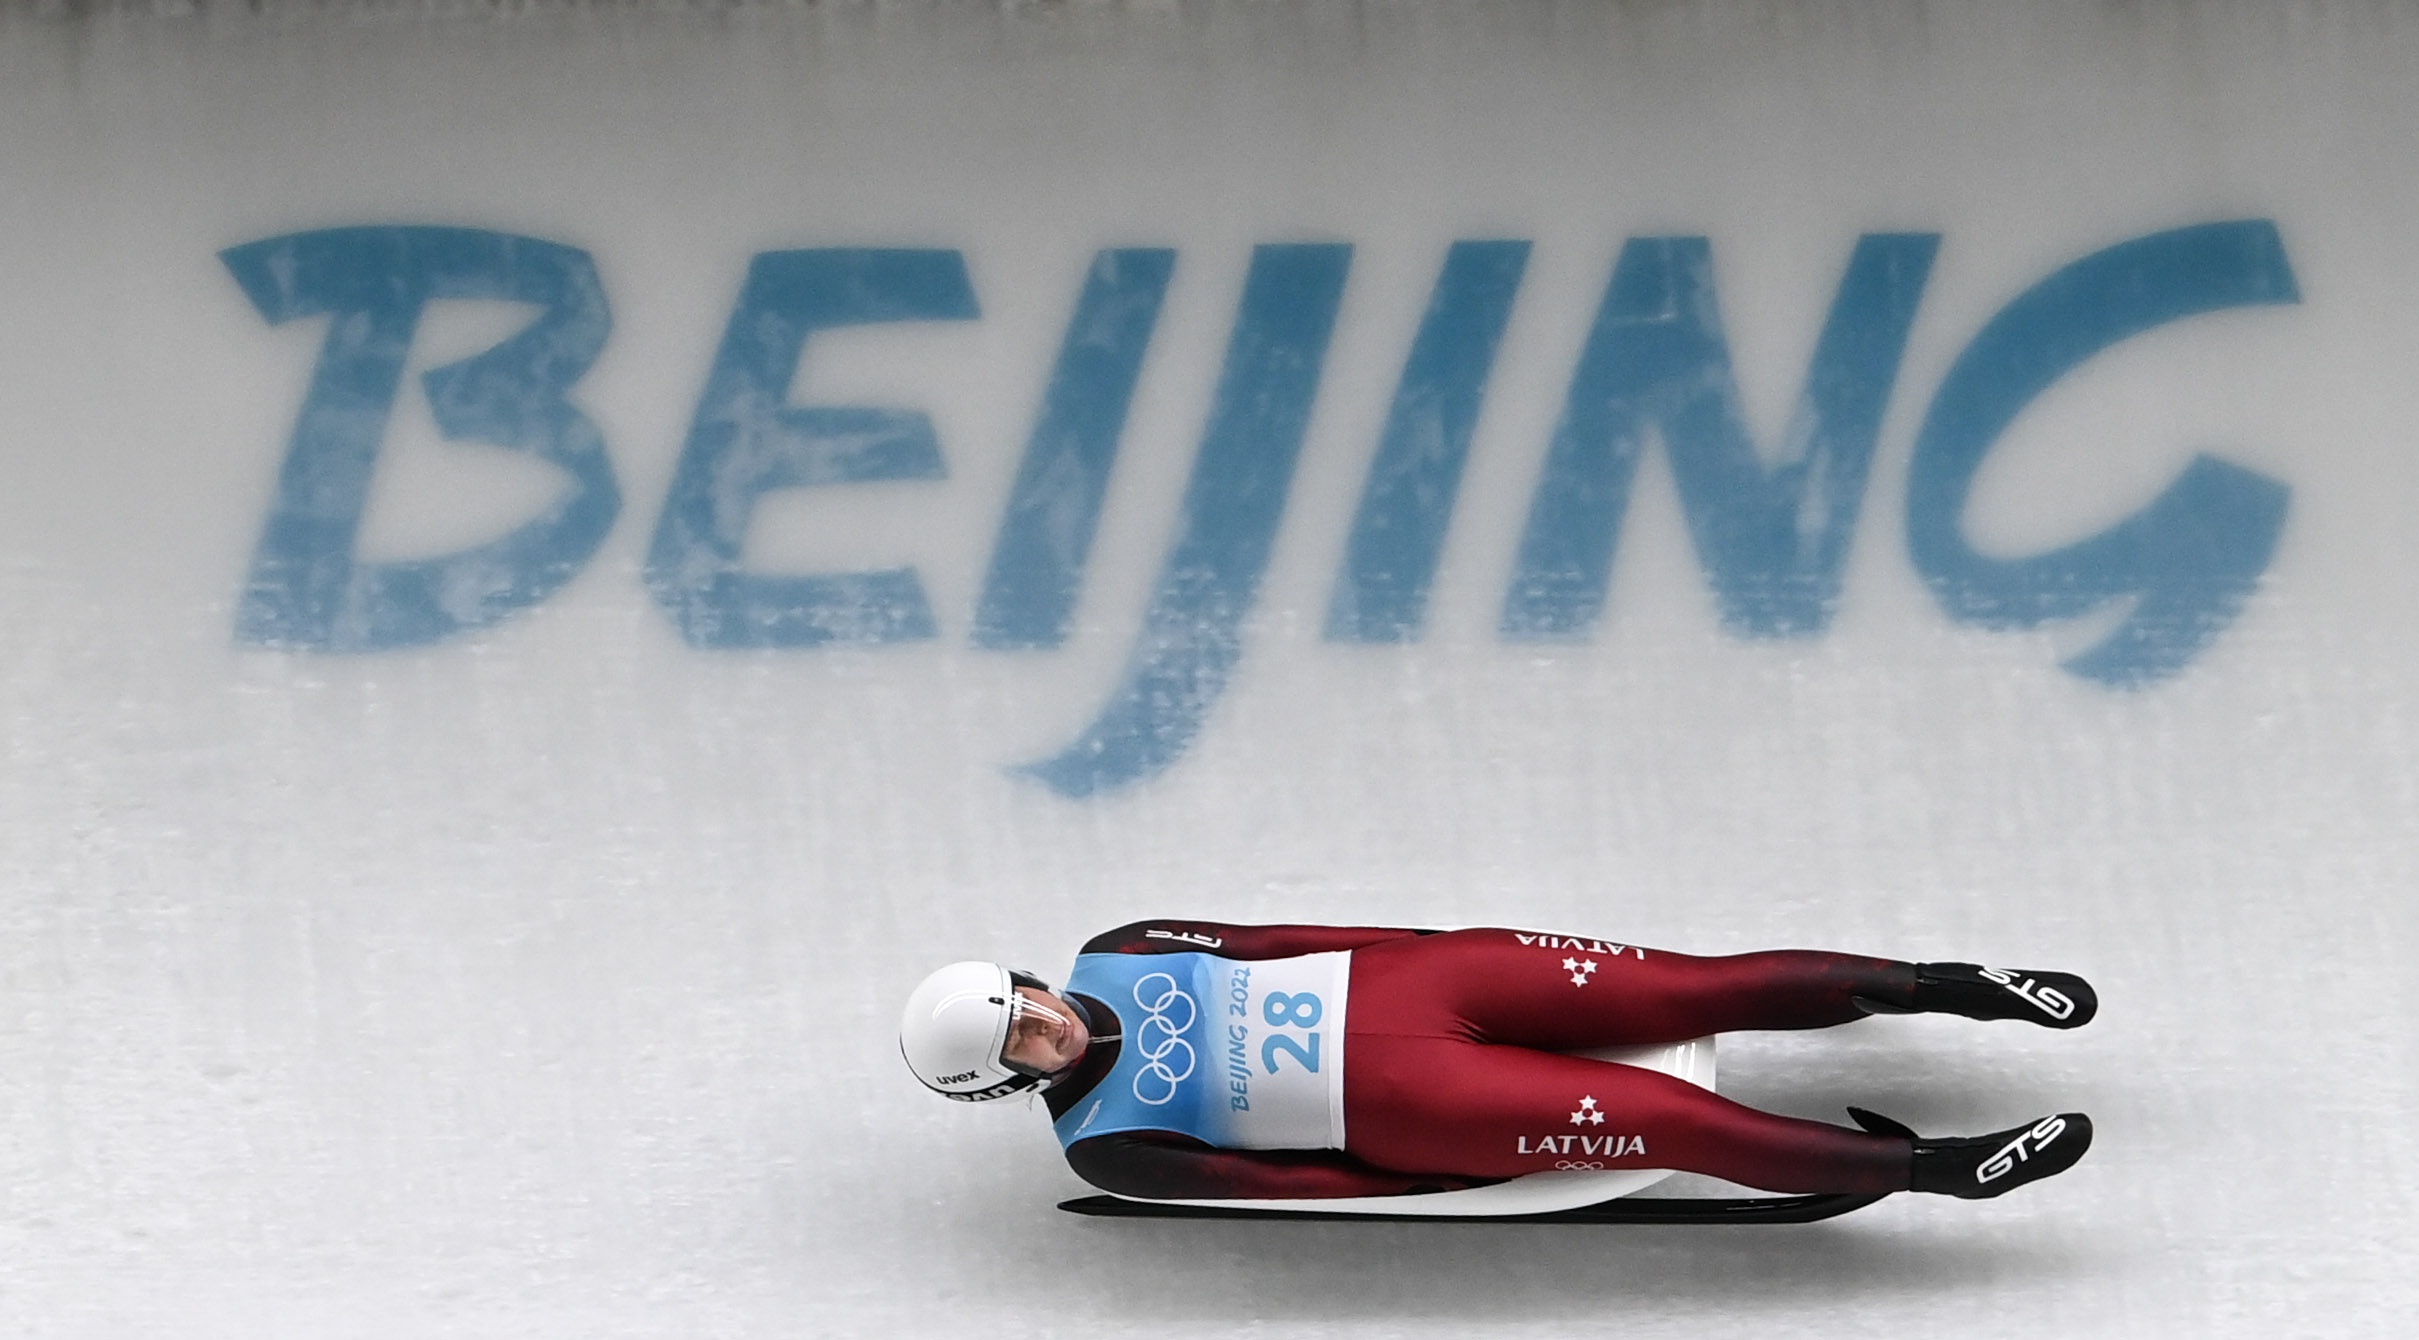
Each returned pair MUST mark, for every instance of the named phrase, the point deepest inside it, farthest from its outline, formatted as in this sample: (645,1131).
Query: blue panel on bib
(1238,1055)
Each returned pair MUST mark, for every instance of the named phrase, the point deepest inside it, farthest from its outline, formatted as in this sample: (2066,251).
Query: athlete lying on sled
(1195,1060)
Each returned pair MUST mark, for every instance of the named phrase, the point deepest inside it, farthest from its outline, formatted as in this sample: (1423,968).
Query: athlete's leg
(1564,993)
(1473,1110)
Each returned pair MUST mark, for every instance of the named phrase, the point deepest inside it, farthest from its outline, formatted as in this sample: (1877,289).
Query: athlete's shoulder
(1231,940)
(1159,936)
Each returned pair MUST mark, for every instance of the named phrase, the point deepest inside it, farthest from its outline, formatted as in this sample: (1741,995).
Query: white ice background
(541,982)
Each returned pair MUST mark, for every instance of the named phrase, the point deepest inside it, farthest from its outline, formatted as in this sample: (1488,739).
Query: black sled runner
(1619,1210)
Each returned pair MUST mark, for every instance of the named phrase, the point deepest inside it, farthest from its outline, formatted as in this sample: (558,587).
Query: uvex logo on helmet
(958,1078)
(985,1095)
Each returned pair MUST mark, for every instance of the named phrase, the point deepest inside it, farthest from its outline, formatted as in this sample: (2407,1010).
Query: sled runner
(1575,1195)
(1619,1210)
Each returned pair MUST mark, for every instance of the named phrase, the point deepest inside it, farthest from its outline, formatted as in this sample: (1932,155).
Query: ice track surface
(463,842)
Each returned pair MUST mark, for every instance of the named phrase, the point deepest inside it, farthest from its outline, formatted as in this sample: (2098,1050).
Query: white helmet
(955,1032)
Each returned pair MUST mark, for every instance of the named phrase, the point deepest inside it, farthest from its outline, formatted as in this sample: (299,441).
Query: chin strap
(1091,1025)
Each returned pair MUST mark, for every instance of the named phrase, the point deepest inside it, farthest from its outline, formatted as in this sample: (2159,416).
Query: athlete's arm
(1238,942)
(1157,1165)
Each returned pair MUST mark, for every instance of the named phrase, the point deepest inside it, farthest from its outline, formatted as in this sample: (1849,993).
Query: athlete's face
(1047,1035)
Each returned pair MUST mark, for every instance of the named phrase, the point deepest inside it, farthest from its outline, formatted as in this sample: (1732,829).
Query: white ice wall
(539,981)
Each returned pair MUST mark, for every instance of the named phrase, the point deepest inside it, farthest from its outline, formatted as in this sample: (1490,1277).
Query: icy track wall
(555,558)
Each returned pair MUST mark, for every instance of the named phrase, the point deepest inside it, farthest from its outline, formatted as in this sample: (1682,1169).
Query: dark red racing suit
(1455,1067)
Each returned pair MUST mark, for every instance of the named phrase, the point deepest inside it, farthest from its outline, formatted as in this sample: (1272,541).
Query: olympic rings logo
(1574,1165)
(1159,1006)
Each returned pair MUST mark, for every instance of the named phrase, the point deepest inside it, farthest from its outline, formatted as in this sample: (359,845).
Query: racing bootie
(2050,999)
(1983,1166)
